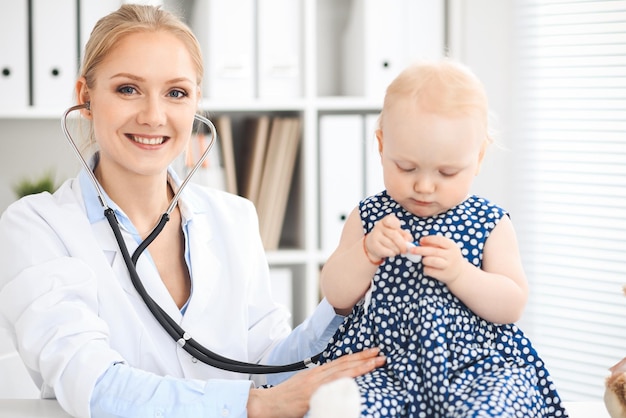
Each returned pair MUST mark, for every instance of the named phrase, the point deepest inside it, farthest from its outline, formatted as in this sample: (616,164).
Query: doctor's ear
(82,94)
(86,111)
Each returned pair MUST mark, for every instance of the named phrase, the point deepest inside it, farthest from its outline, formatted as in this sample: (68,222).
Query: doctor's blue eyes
(127,90)
(177,94)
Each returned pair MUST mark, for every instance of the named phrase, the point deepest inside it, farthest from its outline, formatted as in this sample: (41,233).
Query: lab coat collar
(94,209)
(199,237)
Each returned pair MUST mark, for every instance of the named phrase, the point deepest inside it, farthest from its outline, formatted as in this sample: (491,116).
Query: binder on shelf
(253,159)
(289,153)
(89,13)
(276,180)
(54,52)
(268,180)
(225,30)
(14,55)
(340,174)
(372,58)
(427,30)
(280,46)
(374,182)
(224,130)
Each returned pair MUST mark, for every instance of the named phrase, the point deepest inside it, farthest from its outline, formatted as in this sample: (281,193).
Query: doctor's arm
(127,392)
(124,391)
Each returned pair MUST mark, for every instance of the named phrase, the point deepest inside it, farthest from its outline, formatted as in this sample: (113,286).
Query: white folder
(14,55)
(54,52)
(379,42)
(225,30)
(341,174)
(374,182)
(427,29)
(281,281)
(90,12)
(280,46)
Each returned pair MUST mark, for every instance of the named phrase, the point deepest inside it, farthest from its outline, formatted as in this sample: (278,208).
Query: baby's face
(429,160)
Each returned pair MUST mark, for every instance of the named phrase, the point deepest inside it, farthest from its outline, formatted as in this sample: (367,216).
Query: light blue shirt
(125,391)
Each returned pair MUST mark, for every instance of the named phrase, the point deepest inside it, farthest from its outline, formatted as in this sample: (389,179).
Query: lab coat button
(194,360)
(225,412)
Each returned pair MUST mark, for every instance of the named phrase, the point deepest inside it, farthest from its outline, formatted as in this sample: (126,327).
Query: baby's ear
(379,140)
(481,156)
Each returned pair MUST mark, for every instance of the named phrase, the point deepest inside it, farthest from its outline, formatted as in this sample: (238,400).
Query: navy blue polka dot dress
(442,359)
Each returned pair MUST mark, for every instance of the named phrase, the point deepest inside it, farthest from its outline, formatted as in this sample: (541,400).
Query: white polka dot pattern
(442,359)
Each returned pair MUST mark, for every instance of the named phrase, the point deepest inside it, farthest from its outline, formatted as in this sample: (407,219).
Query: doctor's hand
(290,399)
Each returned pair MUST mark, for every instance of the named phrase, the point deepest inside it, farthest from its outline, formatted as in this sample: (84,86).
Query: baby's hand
(441,258)
(416,258)
(387,238)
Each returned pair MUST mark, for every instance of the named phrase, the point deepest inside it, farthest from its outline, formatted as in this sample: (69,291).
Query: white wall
(29,148)
(482,36)
(480,33)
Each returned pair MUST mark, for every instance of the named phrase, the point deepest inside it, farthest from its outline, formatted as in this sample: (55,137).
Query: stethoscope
(179,335)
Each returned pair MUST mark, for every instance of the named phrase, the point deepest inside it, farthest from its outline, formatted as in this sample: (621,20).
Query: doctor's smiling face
(143,96)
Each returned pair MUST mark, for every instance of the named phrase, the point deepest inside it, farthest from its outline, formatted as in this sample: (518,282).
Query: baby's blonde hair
(445,87)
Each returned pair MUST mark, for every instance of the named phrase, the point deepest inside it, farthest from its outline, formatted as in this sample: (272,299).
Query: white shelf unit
(322,24)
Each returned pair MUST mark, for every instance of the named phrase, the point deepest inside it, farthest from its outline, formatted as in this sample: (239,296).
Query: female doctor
(83,332)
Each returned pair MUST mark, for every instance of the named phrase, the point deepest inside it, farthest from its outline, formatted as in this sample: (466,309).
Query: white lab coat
(65,290)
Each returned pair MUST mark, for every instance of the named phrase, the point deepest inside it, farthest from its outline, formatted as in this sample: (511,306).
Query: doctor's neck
(144,198)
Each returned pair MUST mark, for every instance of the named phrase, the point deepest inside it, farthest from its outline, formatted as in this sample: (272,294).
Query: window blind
(570,164)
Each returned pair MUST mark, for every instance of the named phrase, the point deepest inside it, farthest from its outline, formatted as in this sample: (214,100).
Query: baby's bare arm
(347,274)
(498,292)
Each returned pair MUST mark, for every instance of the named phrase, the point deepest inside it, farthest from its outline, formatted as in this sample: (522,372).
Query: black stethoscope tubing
(171,327)
(182,338)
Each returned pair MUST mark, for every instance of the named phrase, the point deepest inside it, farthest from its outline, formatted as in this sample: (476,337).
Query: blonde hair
(134,18)
(443,87)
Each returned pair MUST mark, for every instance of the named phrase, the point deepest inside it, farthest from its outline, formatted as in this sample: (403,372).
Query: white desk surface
(31,408)
(38,408)
(592,409)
